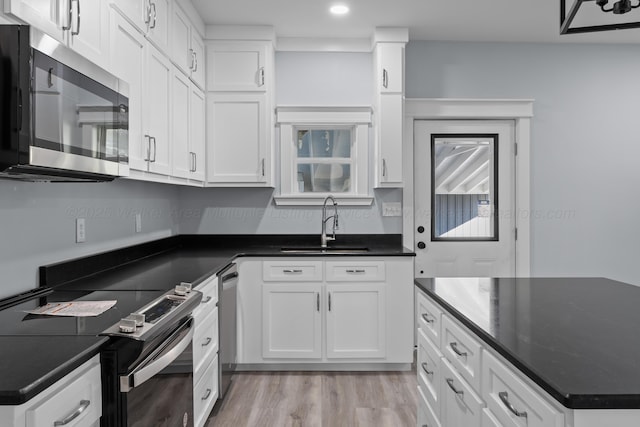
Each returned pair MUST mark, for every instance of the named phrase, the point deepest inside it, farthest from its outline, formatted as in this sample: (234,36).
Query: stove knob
(182,289)
(127,325)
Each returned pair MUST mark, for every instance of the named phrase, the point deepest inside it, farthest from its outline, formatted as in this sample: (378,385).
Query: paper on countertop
(74,308)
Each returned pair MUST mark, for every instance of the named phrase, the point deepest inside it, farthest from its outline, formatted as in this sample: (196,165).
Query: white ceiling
(457,20)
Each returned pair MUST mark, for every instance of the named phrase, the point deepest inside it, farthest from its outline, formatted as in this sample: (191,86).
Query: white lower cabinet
(291,326)
(489,420)
(290,311)
(205,351)
(73,401)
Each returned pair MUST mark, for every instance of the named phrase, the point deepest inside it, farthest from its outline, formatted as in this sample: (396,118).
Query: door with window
(464,198)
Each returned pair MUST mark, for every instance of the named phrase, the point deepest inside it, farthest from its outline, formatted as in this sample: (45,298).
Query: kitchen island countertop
(577,338)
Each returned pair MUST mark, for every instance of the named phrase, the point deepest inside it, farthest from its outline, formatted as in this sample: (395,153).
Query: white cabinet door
(47,15)
(157,110)
(89,30)
(182,161)
(127,51)
(460,405)
(197,139)
(198,67)
(181,40)
(237,66)
(237,138)
(390,71)
(135,11)
(389,140)
(291,321)
(356,321)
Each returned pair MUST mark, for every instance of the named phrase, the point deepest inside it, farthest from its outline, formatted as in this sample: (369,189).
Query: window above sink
(324,150)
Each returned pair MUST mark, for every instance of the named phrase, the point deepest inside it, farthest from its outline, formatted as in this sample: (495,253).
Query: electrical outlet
(80,230)
(138,223)
(392,209)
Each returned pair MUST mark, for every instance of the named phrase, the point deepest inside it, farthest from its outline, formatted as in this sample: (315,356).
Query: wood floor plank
(319,399)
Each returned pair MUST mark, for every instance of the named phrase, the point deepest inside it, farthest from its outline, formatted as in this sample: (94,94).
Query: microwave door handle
(147,371)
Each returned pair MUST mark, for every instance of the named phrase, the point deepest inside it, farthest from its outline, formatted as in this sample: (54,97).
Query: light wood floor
(319,399)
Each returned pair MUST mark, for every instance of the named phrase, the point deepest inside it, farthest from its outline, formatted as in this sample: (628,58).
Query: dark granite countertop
(38,352)
(577,338)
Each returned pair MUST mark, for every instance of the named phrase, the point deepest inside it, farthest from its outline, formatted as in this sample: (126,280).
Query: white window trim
(290,119)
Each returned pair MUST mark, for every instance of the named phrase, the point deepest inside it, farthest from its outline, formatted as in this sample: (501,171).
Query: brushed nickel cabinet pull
(291,271)
(206,300)
(356,271)
(426,318)
(450,383)
(454,347)
(84,404)
(155,15)
(207,342)
(385,78)
(318,301)
(207,394)
(329,301)
(504,397)
(77,31)
(261,77)
(424,368)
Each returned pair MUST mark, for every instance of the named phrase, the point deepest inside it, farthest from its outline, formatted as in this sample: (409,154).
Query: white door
(464,198)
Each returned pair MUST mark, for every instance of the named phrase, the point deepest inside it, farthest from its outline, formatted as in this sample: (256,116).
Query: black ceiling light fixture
(569,11)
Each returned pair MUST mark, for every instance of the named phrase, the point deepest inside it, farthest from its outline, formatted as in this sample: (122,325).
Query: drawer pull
(454,347)
(207,394)
(450,383)
(84,404)
(424,368)
(427,319)
(206,300)
(505,399)
(207,342)
(291,271)
(356,271)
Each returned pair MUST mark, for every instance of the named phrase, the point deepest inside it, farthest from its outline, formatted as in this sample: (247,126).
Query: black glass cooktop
(14,320)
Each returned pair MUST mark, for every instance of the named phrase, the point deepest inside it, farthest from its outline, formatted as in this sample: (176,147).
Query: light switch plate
(392,209)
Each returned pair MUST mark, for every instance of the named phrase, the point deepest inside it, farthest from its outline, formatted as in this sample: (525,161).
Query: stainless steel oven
(148,366)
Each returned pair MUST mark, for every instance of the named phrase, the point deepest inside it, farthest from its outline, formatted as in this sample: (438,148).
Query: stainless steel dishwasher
(227,308)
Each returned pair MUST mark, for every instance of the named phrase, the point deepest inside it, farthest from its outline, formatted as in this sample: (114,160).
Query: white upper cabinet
(390,67)
(388,61)
(82,25)
(151,17)
(128,63)
(187,47)
(188,118)
(238,66)
(157,111)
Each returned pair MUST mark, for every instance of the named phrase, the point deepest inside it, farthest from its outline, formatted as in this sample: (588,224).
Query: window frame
(292,119)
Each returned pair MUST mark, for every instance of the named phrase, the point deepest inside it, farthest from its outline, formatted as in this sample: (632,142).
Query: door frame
(518,110)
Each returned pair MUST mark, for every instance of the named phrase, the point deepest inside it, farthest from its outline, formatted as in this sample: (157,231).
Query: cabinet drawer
(292,271)
(205,393)
(509,398)
(81,389)
(205,341)
(429,318)
(462,351)
(360,271)
(460,404)
(426,417)
(429,371)
(209,289)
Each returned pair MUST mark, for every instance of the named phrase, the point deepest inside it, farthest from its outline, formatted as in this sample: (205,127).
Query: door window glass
(464,187)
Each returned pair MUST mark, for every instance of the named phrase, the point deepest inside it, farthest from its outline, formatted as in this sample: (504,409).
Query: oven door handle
(156,363)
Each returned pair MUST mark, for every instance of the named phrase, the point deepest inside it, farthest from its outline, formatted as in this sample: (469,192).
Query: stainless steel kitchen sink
(321,250)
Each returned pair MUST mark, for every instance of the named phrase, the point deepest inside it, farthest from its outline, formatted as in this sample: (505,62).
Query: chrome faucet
(323,237)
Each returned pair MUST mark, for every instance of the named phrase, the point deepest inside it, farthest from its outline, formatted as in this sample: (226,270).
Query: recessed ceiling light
(339,9)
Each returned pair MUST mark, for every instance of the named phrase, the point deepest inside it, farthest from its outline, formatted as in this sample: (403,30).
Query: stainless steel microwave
(62,118)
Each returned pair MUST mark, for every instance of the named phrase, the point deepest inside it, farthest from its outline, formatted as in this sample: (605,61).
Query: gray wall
(38,223)
(585,141)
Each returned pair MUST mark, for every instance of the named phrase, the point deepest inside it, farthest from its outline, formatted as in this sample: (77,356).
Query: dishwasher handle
(177,342)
